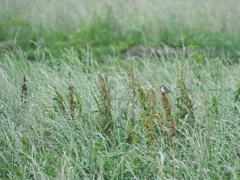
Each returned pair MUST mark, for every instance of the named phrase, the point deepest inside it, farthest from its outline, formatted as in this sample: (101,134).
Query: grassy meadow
(74,104)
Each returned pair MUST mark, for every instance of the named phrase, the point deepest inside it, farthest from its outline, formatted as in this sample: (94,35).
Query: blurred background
(112,27)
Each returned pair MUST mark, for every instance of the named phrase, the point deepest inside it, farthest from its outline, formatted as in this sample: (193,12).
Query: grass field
(113,27)
(73,105)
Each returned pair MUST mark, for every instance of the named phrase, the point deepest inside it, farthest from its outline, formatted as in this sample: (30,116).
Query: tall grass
(72,107)
(42,140)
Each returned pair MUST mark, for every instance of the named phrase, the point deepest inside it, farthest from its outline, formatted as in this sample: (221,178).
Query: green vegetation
(110,28)
(74,106)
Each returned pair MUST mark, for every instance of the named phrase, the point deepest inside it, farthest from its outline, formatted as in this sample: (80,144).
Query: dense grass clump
(75,120)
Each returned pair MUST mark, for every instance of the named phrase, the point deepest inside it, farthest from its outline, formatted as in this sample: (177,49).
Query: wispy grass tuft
(104,104)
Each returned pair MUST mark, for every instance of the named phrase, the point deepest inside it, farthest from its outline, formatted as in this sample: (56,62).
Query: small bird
(164,89)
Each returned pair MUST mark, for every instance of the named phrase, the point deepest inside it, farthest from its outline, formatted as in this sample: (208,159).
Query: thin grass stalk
(24,90)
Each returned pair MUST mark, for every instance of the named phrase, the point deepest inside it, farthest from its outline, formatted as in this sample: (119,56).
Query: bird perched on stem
(165,90)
